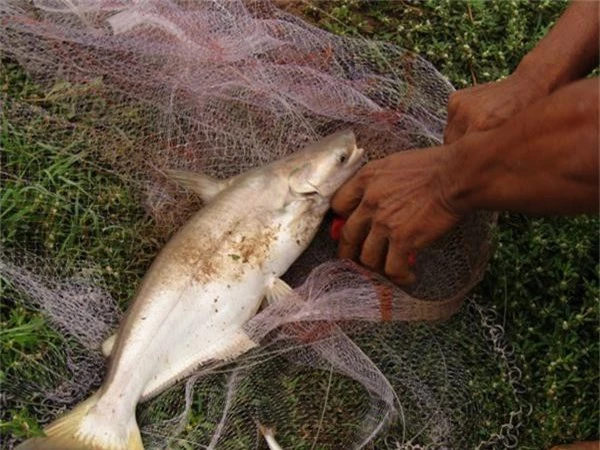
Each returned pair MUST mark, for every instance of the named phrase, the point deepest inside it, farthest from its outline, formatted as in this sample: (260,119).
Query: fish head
(317,171)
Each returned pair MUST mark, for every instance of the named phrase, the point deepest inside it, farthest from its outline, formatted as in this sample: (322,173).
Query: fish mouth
(351,166)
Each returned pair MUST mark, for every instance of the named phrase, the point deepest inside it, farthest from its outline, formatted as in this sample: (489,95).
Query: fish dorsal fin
(205,186)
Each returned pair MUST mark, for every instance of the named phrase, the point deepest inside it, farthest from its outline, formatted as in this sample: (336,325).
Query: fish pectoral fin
(108,345)
(278,290)
(205,186)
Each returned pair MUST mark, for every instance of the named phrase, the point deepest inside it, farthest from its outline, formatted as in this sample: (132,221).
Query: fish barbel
(203,286)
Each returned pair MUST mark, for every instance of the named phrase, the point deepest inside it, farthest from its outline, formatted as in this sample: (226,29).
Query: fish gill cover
(220,87)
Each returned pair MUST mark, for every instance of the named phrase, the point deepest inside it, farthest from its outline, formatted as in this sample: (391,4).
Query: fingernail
(335,231)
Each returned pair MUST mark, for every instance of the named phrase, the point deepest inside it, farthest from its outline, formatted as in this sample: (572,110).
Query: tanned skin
(567,53)
(527,144)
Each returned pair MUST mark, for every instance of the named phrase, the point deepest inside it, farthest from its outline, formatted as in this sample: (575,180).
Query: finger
(397,268)
(354,232)
(488,124)
(453,132)
(348,197)
(453,103)
(374,249)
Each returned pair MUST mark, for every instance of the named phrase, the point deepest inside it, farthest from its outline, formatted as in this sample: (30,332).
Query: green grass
(57,200)
(58,203)
(543,278)
(468,41)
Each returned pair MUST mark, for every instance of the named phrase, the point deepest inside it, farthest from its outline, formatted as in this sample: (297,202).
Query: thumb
(348,197)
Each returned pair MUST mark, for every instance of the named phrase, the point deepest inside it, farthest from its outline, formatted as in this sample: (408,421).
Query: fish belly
(206,283)
(207,327)
(190,325)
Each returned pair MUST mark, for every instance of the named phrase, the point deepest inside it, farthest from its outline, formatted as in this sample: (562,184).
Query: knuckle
(447,134)
(365,172)
(380,224)
(369,202)
(480,122)
(454,102)
(399,236)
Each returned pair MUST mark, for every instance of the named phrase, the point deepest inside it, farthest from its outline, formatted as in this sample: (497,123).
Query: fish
(208,280)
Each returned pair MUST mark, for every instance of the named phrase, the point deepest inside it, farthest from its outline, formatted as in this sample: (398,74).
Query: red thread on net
(384,292)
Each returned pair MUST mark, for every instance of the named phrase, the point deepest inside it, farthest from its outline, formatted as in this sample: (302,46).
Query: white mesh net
(220,87)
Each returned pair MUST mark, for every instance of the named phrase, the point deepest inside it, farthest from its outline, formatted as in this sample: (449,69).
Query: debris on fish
(269,435)
(203,286)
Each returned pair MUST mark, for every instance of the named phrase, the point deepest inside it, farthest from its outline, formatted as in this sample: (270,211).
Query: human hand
(395,206)
(489,105)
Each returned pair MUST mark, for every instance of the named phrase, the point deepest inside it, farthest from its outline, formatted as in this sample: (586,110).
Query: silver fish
(203,286)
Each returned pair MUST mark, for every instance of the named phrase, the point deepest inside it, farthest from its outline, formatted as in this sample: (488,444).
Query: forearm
(544,160)
(568,52)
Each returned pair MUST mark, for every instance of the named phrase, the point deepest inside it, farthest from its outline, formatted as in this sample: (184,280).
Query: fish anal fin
(191,357)
(205,186)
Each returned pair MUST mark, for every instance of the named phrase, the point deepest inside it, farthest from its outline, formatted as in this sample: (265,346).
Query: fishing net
(219,87)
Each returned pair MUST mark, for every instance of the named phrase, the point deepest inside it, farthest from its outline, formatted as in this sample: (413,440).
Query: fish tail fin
(85,429)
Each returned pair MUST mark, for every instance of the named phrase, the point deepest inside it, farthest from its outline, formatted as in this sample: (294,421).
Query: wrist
(569,51)
(539,78)
(454,186)
(470,169)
